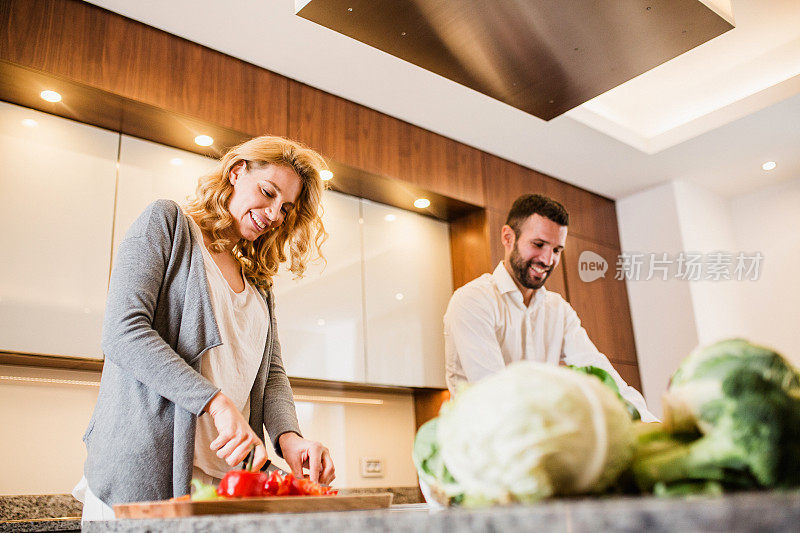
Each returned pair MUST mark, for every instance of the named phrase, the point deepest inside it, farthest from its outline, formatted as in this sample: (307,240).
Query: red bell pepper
(284,487)
(242,484)
(272,484)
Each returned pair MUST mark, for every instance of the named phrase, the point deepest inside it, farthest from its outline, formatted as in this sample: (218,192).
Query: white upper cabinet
(149,172)
(407,285)
(370,313)
(57,189)
(320,319)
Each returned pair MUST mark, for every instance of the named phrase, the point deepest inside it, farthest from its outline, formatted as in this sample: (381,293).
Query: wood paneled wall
(75,41)
(602,304)
(82,42)
(382,145)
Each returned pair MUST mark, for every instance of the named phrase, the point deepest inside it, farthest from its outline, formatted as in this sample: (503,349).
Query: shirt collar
(506,284)
(503,279)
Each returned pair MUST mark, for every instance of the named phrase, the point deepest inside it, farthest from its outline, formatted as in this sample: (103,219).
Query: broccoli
(732,420)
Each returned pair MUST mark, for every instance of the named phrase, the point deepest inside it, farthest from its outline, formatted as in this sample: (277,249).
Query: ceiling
(530,54)
(710,116)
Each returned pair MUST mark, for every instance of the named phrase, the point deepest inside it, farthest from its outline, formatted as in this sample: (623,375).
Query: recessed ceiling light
(50,96)
(325,175)
(320,321)
(421,203)
(399,296)
(29,123)
(390,218)
(204,140)
(769,165)
(176,161)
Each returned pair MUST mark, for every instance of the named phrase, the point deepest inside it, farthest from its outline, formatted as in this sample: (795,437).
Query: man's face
(537,251)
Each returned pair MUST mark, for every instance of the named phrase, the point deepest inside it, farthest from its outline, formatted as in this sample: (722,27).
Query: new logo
(591,266)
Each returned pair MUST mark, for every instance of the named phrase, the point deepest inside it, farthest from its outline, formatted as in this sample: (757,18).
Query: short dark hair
(536,204)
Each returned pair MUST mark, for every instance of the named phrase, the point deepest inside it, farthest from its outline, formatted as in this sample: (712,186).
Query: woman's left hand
(299,453)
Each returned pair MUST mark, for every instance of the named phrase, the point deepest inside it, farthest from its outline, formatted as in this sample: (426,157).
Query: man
(509,316)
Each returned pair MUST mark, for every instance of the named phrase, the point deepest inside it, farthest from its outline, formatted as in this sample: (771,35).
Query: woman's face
(262,197)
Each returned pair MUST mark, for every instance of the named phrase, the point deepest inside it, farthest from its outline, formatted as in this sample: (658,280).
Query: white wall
(661,311)
(768,221)
(352,431)
(670,318)
(705,223)
(41,451)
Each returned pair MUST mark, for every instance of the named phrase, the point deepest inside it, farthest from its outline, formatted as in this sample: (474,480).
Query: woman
(193,370)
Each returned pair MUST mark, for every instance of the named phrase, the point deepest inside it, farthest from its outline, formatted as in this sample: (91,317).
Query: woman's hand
(236,437)
(300,453)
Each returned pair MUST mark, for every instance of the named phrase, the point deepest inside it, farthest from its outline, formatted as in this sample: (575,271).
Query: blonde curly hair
(302,231)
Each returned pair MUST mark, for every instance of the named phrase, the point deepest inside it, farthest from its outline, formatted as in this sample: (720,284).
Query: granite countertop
(50,512)
(765,511)
(62,512)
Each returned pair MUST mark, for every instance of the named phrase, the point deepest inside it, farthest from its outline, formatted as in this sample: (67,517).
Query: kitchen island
(765,511)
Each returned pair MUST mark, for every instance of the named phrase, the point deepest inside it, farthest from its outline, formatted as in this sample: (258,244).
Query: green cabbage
(526,433)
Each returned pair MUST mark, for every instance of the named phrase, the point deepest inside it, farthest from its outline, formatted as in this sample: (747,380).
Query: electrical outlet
(371,467)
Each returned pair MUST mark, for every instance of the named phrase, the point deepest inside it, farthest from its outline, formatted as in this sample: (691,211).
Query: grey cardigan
(158,324)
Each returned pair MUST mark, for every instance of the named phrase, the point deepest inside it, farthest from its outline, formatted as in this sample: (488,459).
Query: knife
(268,466)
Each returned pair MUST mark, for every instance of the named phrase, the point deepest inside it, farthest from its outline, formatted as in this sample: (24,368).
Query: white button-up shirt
(488,326)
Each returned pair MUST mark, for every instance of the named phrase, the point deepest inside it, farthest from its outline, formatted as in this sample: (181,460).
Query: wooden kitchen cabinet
(57,183)
(469,248)
(407,285)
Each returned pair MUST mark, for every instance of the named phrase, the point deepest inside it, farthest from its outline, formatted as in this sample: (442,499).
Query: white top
(243,321)
(487,326)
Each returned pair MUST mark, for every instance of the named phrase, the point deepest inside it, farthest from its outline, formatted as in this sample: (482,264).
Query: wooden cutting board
(278,504)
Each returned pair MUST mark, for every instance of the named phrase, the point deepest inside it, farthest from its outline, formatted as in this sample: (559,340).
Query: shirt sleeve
(280,415)
(578,350)
(129,340)
(470,324)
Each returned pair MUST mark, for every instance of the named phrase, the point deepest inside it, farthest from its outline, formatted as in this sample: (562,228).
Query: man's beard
(521,270)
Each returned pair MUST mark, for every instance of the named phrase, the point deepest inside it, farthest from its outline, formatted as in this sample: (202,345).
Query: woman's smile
(262,198)
(259,221)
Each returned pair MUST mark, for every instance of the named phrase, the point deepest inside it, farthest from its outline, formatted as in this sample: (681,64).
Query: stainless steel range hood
(541,56)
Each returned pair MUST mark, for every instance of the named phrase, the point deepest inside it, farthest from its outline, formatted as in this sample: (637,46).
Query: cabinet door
(320,321)
(57,184)
(150,171)
(407,285)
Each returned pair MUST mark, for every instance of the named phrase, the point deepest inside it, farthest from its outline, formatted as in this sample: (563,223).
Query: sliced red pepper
(288,485)
(284,485)
(272,484)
